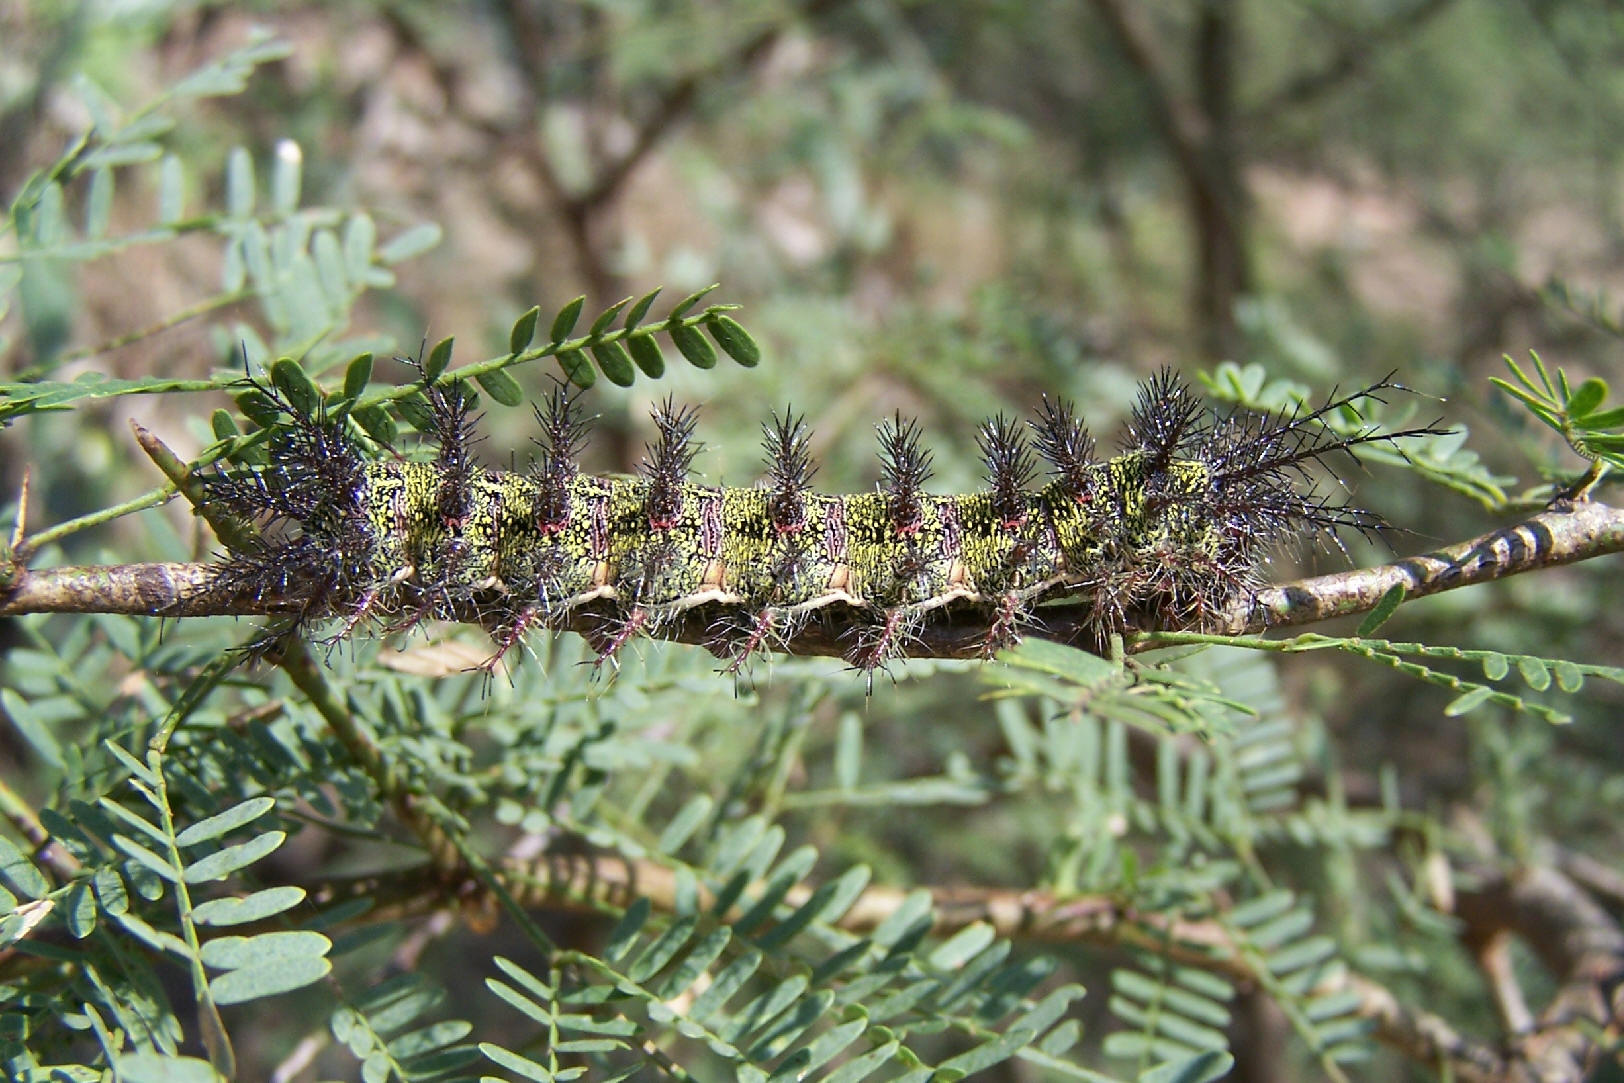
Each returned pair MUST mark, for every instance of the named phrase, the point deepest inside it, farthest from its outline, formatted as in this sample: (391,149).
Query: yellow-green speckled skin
(723,547)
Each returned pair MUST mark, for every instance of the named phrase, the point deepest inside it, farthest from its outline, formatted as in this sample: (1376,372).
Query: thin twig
(1545,540)
(1364,46)
(1494,959)
(21,815)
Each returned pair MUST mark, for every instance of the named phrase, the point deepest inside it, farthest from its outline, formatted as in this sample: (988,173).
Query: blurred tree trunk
(1201,136)
(1218,201)
(1259,1035)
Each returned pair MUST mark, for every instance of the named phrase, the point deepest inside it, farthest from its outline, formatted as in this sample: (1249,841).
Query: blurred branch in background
(585,205)
(1364,46)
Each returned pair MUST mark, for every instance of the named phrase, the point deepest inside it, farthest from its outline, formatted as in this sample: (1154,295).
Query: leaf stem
(215,1039)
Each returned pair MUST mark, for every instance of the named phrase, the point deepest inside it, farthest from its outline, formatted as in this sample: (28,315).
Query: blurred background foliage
(943,208)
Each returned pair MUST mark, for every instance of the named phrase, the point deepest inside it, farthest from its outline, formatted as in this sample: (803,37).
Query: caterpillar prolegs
(1169,531)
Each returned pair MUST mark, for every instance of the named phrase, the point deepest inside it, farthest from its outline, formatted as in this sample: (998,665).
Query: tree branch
(582,209)
(1549,539)
(1566,929)
(1200,134)
(594,882)
(1181,123)
(1579,943)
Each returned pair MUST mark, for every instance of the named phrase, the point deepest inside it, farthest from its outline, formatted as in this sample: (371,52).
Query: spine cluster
(1167,532)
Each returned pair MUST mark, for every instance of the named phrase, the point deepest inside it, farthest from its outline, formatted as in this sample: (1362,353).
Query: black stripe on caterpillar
(1167,532)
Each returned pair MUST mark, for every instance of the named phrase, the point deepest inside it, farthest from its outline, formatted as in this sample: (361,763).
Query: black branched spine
(668,462)
(454,433)
(310,540)
(1261,482)
(1168,420)
(1010,467)
(1065,445)
(786,445)
(564,431)
(904,469)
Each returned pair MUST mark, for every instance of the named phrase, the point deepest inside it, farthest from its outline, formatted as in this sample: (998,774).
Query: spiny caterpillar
(1167,532)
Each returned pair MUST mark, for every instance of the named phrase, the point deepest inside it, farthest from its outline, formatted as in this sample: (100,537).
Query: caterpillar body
(1170,531)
